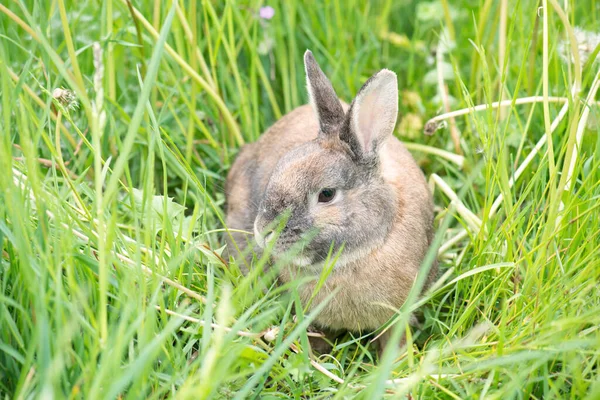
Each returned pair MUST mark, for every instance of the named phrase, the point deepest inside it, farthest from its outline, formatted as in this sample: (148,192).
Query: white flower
(66,98)
(271,334)
(586,43)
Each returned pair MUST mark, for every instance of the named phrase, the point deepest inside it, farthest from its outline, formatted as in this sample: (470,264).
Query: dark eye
(326,195)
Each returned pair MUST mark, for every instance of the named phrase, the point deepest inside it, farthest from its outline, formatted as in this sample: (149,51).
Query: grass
(111,213)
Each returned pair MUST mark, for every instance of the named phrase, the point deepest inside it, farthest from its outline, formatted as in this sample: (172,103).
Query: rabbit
(337,170)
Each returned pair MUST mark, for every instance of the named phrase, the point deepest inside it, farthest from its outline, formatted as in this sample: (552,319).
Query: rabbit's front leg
(322,344)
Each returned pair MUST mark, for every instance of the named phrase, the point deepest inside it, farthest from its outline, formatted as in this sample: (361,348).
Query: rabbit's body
(381,210)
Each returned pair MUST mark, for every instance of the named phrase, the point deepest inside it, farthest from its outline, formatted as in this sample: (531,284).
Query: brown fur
(378,277)
(385,275)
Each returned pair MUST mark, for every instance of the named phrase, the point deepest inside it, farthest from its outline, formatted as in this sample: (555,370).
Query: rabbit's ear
(372,115)
(322,96)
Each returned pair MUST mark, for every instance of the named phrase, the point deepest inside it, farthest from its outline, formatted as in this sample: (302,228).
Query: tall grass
(111,278)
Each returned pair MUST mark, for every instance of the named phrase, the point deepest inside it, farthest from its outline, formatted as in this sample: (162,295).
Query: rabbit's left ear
(322,96)
(372,115)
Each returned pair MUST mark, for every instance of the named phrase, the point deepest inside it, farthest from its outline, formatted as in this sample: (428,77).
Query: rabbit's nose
(264,238)
(262,235)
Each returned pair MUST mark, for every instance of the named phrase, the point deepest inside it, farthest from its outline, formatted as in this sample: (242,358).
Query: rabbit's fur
(382,212)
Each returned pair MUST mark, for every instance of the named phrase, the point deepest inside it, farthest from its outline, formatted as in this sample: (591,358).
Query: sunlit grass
(112,282)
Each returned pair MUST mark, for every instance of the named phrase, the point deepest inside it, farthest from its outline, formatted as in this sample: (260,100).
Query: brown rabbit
(338,173)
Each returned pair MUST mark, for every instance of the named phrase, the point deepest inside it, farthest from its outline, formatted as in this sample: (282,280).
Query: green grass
(111,214)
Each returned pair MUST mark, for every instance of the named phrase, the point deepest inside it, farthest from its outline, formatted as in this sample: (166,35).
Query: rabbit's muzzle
(281,232)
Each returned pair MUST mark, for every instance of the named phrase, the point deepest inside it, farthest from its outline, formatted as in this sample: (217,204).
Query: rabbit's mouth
(293,244)
(302,260)
(296,251)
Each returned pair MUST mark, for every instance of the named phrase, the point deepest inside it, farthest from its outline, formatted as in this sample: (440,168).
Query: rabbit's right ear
(322,96)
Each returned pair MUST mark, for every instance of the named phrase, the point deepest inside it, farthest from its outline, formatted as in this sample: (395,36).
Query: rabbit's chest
(355,306)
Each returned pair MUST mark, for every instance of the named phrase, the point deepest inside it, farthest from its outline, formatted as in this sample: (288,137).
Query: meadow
(119,120)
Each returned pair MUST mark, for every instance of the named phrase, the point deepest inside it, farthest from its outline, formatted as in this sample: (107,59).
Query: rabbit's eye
(326,195)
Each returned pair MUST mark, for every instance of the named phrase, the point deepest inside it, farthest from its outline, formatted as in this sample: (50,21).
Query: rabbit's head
(330,190)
